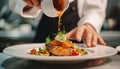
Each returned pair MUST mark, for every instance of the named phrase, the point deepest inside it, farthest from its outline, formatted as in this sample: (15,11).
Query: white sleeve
(18,5)
(92,12)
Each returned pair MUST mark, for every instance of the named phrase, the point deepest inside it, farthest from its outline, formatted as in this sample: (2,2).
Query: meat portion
(65,44)
(58,50)
(66,48)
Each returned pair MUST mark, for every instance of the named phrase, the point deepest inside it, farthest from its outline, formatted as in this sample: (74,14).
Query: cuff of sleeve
(32,13)
(95,20)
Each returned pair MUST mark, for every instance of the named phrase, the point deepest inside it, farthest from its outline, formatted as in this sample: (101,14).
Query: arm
(18,7)
(92,12)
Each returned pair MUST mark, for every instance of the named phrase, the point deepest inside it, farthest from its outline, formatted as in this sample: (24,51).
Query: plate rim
(58,58)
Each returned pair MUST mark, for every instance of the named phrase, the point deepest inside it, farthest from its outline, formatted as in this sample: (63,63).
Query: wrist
(89,25)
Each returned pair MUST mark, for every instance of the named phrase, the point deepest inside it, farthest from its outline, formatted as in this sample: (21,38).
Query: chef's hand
(86,32)
(32,3)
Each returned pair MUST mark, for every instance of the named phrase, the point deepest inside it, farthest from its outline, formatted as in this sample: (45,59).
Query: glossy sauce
(59,6)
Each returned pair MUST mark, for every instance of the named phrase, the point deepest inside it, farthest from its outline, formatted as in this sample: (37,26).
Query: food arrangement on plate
(60,50)
(60,46)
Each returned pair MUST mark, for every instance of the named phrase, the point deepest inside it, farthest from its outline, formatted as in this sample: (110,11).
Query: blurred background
(15,29)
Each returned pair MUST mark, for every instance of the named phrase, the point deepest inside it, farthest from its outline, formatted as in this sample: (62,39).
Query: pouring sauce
(59,6)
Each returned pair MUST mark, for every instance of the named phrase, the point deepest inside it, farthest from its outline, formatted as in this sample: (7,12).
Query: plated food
(60,46)
(24,51)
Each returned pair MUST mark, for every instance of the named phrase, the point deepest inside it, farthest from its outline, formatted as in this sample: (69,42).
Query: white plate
(21,51)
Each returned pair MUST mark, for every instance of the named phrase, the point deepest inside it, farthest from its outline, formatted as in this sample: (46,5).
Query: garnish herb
(48,40)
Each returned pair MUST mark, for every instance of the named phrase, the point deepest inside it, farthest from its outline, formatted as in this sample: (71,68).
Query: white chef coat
(90,11)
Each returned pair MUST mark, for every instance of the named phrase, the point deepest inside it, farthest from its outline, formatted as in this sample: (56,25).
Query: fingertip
(104,43)
(88,45)
(78,39)
(94,45)
(101,41)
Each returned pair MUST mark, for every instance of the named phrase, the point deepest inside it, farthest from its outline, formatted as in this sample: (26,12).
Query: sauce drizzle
(59,6)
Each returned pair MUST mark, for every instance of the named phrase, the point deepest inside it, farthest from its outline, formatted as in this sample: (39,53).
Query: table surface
(9,62)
